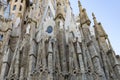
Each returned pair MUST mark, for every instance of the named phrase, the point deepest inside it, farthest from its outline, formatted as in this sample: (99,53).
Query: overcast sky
(108,13)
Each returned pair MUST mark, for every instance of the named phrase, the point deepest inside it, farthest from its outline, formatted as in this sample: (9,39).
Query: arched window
(20,9)
(1,37)
(16,0)
(14,7)
(7,11)
(21,1)
(49,29)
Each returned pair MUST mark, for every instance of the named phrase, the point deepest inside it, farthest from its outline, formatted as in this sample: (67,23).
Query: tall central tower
(43,40)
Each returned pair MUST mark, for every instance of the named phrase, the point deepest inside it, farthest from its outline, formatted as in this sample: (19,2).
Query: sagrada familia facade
(42,40)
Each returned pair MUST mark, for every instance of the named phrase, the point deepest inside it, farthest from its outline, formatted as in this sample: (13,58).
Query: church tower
(43,40)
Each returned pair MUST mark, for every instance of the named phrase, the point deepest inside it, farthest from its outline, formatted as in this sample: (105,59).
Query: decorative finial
(94,18)
(79,3)
(80,6)
(60,12)
(93,15)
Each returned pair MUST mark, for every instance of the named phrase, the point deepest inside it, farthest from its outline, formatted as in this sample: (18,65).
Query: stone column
(2,10)
(25,60)
(33,47)
(50,61)
(81,62)
(93,52)
(5,64)
(17,65)
(60,35)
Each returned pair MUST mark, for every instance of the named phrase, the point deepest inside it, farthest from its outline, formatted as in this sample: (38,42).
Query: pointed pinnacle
(93,15)
(79,3)
(94,18)
(80,6)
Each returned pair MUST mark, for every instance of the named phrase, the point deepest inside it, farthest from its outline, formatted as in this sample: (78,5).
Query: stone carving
(27,52)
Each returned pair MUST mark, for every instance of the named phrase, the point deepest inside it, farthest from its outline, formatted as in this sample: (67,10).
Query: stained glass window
(1,37)
(20,8)
(49,29)
(14,8)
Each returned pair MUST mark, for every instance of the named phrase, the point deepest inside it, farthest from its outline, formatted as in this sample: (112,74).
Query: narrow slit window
(15,0)
(14,7)
(20,8)
(21,1)
(1,37)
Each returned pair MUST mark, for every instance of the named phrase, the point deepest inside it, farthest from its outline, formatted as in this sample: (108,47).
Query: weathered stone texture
(42,40)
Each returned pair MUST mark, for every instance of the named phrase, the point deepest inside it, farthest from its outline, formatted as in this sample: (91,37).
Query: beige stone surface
(42,40)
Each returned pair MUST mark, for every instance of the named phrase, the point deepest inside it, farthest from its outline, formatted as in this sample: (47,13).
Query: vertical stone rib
(33,51)
(107,52)
(71,66)
(105,65)
(39,59)
(15,62)
(24,61)
(50,61)
(50,66)
(43,56)
(60,34)
(87,58)
(96,61)
(62,50)
(57,61)
(93,52)
(5,65)
(17,65)
(22,73)
(114,63)
(81,62)
(75,58)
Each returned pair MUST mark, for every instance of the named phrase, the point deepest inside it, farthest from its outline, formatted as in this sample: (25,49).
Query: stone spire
(98,28)
(100,34)
(106,50)
(94,18)
(67,2)
(83,15)
(60,10)
(1,8)
(80,6)
(60,34)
